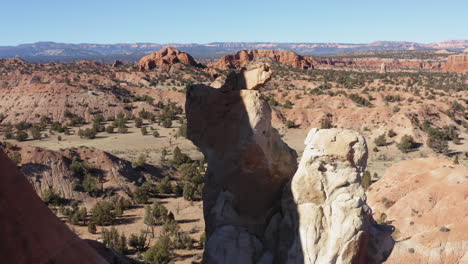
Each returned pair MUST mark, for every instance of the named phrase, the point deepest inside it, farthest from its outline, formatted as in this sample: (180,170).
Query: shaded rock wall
(29,231)
(255,212)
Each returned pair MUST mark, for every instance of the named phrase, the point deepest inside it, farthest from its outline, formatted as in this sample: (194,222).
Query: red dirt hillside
(165,56)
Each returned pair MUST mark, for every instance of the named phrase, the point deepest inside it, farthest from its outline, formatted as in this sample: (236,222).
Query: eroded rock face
(457,63)
(46,168)
(326,218)
(251,77)
(255,212)
(165,56)
(248,163)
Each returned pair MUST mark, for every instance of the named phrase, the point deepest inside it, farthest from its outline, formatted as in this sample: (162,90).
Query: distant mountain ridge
(132,52)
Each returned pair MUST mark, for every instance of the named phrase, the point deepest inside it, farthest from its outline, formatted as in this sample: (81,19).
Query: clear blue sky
(203,21)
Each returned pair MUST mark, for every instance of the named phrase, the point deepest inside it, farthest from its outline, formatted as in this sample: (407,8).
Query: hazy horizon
(212,42)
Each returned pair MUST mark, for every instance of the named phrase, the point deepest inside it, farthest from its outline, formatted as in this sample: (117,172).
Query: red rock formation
(425,199)
(29,231)
(287,57)
(457,63)
(165,56)
(244,57)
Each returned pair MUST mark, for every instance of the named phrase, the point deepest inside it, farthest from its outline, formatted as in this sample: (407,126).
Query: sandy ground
(127,146)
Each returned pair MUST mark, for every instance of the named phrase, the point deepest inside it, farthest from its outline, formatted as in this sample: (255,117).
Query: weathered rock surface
(30,232)
(46,168)
(166,56)
(251,77)
(426,200)
(248,165)
(248,161)
(325,216)
(321,217)
(457,63)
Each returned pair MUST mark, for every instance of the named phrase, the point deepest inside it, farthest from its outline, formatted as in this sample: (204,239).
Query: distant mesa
(244,57)
(165,56)
(457,63)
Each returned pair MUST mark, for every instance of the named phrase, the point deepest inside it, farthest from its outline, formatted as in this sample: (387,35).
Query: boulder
(325,215)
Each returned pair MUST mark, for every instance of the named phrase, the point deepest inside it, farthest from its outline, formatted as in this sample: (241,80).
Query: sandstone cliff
(457,63)
(255,210)
(165,57)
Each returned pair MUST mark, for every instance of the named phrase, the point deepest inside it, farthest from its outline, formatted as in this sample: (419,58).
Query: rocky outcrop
(166,56)
(255,211)
(325,216)
(457,63)
(251,77)
(30,232)
(244,57)
(46,168)
(248,162)
(425,199)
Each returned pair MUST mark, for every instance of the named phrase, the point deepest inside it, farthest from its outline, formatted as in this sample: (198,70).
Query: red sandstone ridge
(457,63)
(426,201)
(287,57)
(244,57)
(165,56)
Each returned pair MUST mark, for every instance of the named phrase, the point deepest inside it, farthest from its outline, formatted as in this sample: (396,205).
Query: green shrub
(380,141)
(406,144)
(89,133)
(160,252)
(21,135)
(138,242)
(138,122)
(15,156)
(110,129)
(50,196)
(167,123)
(102,213)
(92,228)
(114,240)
